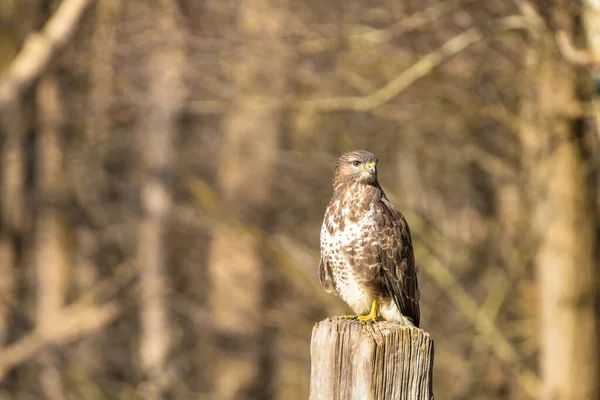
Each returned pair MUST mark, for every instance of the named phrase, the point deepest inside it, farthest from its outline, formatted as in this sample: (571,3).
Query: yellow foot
(372,316)
(367,318)
(350,316)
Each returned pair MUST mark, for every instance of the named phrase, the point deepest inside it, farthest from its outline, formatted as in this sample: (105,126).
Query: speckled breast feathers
(366,249)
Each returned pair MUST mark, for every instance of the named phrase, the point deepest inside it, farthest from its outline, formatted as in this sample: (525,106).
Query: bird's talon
(373,316)
(354,317)
(367,318)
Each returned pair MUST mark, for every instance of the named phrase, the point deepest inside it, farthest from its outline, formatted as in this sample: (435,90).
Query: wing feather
(325,276)
(397,260)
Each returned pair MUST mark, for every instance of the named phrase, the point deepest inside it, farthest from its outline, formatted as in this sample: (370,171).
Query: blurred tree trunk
(7,285)
(561,192)
(248,168)
(13,127)
(97,133)
(51,252)
(591,20)
(293,380)
(157,129)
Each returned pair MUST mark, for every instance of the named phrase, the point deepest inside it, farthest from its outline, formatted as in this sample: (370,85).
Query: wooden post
(384,360)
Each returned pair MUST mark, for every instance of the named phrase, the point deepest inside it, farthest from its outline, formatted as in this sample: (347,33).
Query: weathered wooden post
(380,361)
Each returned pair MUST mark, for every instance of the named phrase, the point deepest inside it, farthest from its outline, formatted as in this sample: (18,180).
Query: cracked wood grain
(385,360)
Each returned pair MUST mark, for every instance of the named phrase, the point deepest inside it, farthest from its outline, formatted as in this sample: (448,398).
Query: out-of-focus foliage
(150,245)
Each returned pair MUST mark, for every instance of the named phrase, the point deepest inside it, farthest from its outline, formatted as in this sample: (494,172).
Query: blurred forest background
(165,167)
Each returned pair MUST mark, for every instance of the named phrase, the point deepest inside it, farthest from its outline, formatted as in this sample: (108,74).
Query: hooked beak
(370,167)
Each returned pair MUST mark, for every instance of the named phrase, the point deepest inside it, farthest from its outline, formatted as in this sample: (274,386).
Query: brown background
(165,166)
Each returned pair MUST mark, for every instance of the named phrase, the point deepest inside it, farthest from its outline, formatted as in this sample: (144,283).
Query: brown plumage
(366,249)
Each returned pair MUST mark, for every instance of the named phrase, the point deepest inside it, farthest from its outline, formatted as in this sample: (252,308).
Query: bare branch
(75,321)
(379,36)
(479,316)
(485,326)
(573,55)
(415,72)
(40,49)
(66,328)
(418,70)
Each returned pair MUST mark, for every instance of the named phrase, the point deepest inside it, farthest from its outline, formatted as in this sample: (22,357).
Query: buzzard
(366,250)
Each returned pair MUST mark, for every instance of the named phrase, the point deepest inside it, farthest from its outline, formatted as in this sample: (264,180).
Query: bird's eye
(356,163)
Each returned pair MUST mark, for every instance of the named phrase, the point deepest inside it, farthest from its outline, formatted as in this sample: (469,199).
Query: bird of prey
(366,249)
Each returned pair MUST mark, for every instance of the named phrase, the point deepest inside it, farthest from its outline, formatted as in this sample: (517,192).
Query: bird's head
(359,166)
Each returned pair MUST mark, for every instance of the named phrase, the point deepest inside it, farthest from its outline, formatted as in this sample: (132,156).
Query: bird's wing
(397,260)
(325,275)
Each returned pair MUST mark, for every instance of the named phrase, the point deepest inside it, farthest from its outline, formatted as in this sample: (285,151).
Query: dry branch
(415,72)
(40,48)
(385,360)
(375,37)
(481,321)
(364,103)
(572,54)
(66,328)
(423,67)
(418,70)
(80,318)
